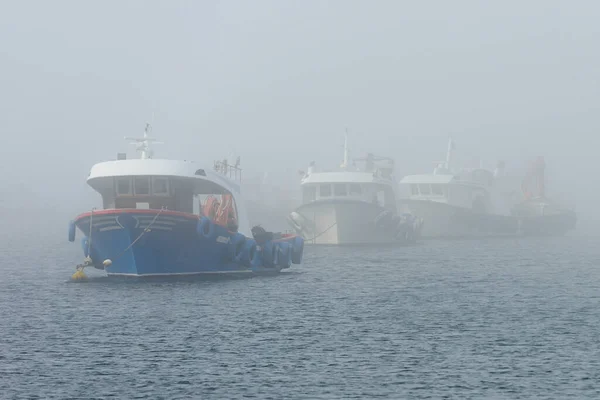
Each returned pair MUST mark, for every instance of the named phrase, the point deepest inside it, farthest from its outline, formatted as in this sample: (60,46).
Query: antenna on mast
(449,153)
(143,144)
(345,163)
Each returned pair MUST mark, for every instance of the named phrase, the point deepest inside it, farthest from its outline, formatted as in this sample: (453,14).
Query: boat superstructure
(540,215)
(352,205)
(174,217)
(477,202)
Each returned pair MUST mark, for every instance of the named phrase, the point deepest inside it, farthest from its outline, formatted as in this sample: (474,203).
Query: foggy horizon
(277,84)
(172,281)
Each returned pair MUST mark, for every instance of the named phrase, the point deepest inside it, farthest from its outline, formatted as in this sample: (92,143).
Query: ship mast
(449,153)
(143,144)
(345,163)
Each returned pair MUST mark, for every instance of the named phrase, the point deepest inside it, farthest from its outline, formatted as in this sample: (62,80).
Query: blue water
(499,318)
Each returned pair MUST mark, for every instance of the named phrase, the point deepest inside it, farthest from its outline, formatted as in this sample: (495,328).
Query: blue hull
(140,243)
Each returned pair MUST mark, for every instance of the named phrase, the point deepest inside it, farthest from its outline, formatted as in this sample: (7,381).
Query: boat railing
(233,172)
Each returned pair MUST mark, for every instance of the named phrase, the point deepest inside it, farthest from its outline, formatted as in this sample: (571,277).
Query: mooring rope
(147,229)
(90,235)
(322,233)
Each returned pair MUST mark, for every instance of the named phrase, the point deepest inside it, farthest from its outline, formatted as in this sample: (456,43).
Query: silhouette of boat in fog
(353,205)
(478,202)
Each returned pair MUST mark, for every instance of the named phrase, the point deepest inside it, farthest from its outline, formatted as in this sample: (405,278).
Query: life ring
(211,206)
(205,228)
(297,250)
(72,230)
(284,256)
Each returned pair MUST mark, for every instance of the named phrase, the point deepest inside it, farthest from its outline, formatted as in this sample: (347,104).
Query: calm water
(460,319)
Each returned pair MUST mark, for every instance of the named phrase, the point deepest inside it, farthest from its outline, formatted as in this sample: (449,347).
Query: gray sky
(278,81)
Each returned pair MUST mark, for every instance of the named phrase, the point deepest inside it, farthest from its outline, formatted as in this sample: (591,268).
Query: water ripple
(461,319)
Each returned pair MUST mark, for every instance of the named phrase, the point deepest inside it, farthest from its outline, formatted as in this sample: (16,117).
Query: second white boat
(352,205)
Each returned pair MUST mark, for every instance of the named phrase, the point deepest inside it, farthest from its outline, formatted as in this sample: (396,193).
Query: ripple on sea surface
(497,318)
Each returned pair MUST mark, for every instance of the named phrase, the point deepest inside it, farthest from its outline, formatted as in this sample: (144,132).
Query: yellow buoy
(79,275)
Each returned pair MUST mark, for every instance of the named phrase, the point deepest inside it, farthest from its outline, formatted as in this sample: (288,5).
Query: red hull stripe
(137,211)
(119,211)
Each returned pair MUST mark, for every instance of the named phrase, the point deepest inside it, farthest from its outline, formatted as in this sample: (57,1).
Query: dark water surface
(498,318)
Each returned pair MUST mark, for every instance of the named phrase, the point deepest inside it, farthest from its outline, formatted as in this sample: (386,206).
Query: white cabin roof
(157,167)
(428,178)
(341,177)
(142,167)
(202,179)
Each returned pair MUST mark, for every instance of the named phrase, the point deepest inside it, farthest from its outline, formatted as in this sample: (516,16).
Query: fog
(277,83)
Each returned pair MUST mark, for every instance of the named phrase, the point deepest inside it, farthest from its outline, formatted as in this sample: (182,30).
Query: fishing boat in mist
(478,202)
(165,217)
(352,205)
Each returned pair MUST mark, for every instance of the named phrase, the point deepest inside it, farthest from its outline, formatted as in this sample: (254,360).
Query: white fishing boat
(479,202)
(352,205)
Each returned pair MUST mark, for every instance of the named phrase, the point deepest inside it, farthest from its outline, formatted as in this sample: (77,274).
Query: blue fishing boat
(172,217)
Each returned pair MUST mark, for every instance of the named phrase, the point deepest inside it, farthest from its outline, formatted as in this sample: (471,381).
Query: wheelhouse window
(123,186)
(309,193)
(142,185)
(325,190)
(437,189)
(425,189)
(339,189)
(160,186)
(414,189)
(355,189)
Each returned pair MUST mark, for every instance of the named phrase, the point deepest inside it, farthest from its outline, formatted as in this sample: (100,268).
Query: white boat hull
(445,221)
(441,220)
(341,223)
